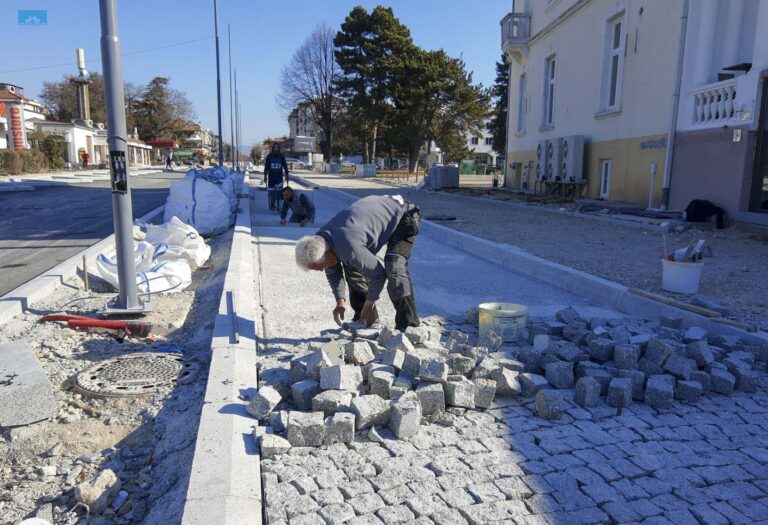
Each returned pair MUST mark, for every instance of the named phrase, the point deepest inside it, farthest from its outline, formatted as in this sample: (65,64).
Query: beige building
(591,99)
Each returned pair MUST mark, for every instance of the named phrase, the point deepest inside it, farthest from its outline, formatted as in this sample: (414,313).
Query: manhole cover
(134,375)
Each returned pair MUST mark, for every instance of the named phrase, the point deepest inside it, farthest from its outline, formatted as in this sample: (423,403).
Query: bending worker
(346,249)
(302,209)
(274,165)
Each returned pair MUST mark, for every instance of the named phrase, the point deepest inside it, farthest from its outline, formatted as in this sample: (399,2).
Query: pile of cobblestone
(364,378)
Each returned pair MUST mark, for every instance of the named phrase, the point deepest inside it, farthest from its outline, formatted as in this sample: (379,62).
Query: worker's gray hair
(310,249)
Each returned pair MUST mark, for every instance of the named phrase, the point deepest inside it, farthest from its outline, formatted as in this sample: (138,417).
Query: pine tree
(500,95)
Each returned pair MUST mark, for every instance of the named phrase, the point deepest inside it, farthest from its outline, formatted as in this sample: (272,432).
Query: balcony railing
(713,104)
(515,29)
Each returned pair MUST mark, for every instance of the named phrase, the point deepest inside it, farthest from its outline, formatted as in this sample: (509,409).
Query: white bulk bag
(199,203)
(174,238)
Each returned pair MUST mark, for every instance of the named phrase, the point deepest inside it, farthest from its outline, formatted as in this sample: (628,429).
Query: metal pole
(236,141)
(128,298)
(218,80)
(231,116)
(653,185)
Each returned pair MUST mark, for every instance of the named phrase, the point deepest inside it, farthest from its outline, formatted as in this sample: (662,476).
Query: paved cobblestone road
(690,464)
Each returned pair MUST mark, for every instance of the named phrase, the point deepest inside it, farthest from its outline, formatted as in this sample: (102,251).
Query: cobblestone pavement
(690,464)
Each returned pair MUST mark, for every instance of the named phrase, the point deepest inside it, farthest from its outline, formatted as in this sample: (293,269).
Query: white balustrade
(714,103)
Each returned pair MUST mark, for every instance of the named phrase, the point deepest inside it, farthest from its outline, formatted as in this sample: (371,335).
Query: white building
(33,110)
(591,98)
(301,123)
(481,146)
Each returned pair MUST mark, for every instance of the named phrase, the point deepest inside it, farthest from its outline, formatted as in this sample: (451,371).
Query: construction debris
(404,380)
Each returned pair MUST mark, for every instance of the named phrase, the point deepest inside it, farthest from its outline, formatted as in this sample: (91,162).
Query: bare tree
(308,78)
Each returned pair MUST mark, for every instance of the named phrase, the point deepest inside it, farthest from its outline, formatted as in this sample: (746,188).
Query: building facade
(481,146)
(591,99)
(12,96)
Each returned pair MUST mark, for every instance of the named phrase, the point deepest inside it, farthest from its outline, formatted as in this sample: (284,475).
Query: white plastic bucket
(506,320)
(681,277)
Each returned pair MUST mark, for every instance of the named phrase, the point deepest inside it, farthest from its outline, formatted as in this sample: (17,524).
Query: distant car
(297,163)
(347,164)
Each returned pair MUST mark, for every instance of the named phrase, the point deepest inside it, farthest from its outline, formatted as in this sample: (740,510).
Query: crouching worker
(346,247)
(302,209)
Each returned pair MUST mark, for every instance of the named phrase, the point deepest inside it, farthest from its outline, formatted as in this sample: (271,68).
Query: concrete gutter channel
(225,479)
(16,301)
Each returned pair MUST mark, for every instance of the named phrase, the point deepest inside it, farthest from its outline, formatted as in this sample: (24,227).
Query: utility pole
(218,81)
(236,143)
(231,115)
(127,302)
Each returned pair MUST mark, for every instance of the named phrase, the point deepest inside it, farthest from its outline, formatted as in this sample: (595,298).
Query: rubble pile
(365,378)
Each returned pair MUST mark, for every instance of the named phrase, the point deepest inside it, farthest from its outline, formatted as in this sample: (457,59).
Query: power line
(149,50)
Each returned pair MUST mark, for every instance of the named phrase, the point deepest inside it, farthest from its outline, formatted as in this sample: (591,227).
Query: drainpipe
(675,106)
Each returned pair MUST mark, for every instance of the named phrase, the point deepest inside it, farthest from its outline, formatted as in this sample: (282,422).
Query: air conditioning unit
(572,164)
(541,160)
(554,158)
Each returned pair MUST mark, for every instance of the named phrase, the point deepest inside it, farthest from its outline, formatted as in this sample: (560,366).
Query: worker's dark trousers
(399,285)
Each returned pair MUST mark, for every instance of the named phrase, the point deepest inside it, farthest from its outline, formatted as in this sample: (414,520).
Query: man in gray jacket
(346,247)
(302,209)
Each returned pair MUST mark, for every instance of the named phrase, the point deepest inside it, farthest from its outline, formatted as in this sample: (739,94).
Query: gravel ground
(626,254)
(147,442)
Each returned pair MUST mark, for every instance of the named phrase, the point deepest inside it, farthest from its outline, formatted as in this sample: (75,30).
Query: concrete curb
(22,298)
(225,479)
(597,289)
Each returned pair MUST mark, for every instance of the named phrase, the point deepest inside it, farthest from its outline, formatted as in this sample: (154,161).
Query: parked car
(300,164)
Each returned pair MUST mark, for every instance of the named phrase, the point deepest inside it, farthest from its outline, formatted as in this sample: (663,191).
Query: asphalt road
(41,228)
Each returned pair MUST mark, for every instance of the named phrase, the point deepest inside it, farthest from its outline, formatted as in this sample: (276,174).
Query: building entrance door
(759,196)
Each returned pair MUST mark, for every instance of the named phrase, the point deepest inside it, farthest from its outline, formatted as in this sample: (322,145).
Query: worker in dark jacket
(346,247)
(274,166)
(302,209)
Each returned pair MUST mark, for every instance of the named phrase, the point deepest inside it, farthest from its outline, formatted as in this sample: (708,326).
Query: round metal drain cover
(134,375)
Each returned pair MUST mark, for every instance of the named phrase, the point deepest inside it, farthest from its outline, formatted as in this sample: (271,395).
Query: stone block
(413,360)
(568,315)
(601,349)
(659,391)
(576,333)
(432,398)
(26,395)
(640,340)
(396,391)
(649,368)
(341,377)
(490,341)
(657,351)
(560,374)
(582,366)
(358,353)
(484,368)
(746,380)
(702,378)
(679,366)
(671,321)
(298,368)
(460,364)
(587,392)
(456,339)
(418,334)
(370,410)
(530,384)
(638,382)
(619,334)
(694,333)
(339,428)
(433,370)
(507,382)
(620,392)
(722,381)
(379,383)
(331,401)
(405,380)
(335,350)
(460,393)
(700,352)
(541,343)
(602,376)
(98,492)
(405,415)
(278,420)
(272,445)
(549,404)
(305,429)
(318,360)
(553,327)
(626,356)
(485,389)
(567,351)
(512,364)
(399,341)
(688,391)
(303,392)
(263,402)
(368,333)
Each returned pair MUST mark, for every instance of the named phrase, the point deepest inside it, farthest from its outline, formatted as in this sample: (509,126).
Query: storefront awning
(183,153)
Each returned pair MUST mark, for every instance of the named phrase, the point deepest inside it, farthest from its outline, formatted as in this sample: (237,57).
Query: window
(549,92)
(614,63)
(474,141)
(521,97)
(488,141)
(606,166)
(488,125)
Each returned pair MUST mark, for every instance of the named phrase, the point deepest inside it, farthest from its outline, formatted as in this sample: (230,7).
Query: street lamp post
(218,81)
(127,301)
(231,115)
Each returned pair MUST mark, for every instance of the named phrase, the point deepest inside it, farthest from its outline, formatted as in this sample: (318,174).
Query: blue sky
(264,36)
